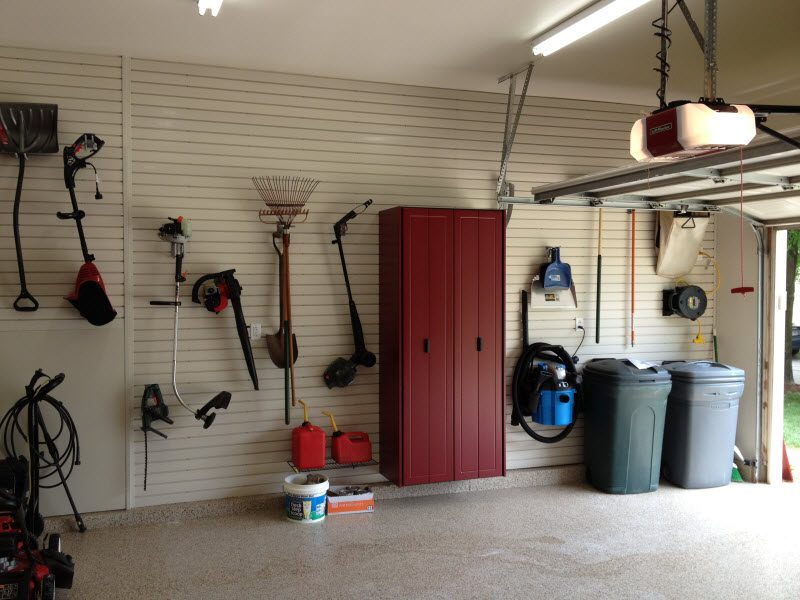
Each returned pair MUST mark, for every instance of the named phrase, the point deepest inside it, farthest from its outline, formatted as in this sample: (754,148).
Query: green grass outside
(791,419)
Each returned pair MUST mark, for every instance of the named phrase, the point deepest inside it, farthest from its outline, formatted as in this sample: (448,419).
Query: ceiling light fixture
(585,22)
(212,5)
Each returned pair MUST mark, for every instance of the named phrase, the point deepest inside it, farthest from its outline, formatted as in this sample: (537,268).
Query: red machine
(26,573)
(308,444)
(349,448)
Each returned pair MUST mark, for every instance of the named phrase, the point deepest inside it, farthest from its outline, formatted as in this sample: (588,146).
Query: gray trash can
(700,427)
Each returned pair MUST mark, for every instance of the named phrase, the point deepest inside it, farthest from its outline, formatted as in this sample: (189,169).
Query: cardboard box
(362,503)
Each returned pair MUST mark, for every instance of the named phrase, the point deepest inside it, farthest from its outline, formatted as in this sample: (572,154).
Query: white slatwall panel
(200,133)
(88,92)
(87,89)
(657,338)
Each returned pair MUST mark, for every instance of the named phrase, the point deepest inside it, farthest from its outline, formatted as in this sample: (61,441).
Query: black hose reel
(688,301)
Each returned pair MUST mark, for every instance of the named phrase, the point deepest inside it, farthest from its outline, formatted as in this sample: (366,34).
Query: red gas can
(352,447)
(308,444)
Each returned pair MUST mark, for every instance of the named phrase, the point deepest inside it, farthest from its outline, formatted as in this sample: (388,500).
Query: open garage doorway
(791,366)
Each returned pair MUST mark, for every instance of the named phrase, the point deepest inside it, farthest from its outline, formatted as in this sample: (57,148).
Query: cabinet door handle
(480,344)
(427,346)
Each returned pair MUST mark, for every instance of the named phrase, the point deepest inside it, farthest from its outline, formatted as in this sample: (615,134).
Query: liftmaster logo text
(661,128)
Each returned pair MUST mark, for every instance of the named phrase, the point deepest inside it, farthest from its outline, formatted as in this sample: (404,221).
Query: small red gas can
(308,444)
(352,447)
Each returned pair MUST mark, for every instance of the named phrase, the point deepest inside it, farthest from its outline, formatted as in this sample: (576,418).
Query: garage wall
(199,134)
(196,136)
(88,90)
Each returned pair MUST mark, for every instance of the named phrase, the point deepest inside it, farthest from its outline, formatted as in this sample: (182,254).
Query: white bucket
(305,503)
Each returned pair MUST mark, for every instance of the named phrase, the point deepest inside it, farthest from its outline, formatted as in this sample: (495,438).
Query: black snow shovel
(26,129)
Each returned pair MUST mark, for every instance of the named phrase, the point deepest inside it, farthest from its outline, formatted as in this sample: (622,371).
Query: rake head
(285,198)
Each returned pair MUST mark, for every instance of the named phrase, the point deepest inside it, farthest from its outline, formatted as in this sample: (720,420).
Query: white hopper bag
(679,239)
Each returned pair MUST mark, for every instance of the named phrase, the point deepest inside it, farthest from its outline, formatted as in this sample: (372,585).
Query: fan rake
(285,198)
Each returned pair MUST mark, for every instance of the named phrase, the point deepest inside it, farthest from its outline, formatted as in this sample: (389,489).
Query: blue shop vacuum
(545,385)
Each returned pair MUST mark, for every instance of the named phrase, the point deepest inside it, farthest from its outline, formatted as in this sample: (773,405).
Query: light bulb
(589,20)
(212,5)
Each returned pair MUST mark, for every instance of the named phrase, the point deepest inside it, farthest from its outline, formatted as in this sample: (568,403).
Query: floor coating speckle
(566,541)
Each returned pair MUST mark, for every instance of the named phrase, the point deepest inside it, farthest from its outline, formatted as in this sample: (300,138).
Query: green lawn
(791,419)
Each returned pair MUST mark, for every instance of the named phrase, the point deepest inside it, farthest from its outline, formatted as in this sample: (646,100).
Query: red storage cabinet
(441,344)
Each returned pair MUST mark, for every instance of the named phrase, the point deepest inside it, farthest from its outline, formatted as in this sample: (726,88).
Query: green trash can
(625,405)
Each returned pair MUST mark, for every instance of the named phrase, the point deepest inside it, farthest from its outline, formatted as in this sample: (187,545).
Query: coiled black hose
(69,449)
(520,385)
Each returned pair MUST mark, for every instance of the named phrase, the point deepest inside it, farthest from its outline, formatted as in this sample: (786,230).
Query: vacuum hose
(519,388)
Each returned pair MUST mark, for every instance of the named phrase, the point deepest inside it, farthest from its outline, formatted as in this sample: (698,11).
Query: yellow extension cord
(699,339)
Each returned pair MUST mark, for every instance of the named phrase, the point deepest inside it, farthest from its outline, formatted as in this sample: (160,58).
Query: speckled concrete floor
(569,541)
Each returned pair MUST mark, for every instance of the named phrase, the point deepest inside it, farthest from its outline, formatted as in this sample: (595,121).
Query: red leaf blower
(89,295)
(215,299)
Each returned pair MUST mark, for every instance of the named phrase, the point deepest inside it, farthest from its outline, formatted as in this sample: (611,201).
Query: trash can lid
(627,370)
(703,371)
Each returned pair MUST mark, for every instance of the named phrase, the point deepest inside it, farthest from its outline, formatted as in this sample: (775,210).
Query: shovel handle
(25,295)
(288,301)
(286,377)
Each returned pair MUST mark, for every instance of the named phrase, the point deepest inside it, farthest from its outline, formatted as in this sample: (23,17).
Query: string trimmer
(89,296)
(26,129)
(177,232)
(215,299)
(342,371)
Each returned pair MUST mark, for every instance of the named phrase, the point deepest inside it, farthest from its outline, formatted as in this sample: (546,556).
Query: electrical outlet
(255,331)
(578,323)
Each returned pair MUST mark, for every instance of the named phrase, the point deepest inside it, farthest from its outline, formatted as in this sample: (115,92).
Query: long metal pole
(501,180)
(664,65)
(760,366)
(710,75)
(175,349)
(633,276)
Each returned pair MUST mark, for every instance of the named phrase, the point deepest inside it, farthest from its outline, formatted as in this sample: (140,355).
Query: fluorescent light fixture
(212,5)
(585,22)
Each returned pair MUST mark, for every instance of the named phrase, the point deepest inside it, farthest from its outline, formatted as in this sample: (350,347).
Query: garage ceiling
(464,44)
